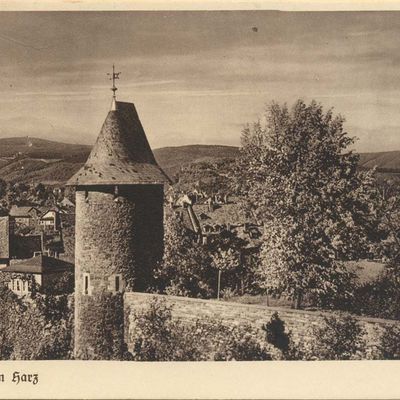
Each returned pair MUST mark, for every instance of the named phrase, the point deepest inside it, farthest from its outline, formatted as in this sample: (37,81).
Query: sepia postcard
(199,200)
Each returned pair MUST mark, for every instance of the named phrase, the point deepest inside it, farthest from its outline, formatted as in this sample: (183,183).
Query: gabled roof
(122,154)
(38,265)
(67,202)
(23,211)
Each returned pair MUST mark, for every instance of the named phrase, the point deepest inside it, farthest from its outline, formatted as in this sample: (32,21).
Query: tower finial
(113,77)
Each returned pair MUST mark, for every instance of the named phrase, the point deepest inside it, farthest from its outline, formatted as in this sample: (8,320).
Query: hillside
(385,161)
(30,160)
(36,160)
(172,158)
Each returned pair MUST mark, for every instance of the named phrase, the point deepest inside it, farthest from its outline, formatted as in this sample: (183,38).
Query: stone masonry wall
(297,321)
(119,236)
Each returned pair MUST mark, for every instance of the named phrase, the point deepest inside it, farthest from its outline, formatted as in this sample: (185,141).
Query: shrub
(390,343)
(103,331)
(240,344)
(339,338)
(156,336)
(275,333)
(380,298)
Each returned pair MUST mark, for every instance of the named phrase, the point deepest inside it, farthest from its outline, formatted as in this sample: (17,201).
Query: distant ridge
(35,160)
(385,161)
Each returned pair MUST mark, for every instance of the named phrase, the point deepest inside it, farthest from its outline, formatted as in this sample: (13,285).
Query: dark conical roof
(121,154)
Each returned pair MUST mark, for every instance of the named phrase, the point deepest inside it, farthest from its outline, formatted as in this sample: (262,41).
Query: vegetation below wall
(38,329)
(157,335)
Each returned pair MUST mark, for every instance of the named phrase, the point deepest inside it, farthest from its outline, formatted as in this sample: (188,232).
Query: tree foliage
(39,329)
(339,338)
(298,176)
(185,268)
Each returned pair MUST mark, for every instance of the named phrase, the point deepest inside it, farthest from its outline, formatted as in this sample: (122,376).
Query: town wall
(298,322)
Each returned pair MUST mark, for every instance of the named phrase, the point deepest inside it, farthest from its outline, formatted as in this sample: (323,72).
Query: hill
(37,160)
(24,159)
(171,159)
(385,161)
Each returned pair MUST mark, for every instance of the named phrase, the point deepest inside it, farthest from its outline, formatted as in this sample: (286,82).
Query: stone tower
(119,230)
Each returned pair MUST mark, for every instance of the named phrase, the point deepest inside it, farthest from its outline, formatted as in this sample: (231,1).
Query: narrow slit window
(86,284)
(18,285)
(117,283)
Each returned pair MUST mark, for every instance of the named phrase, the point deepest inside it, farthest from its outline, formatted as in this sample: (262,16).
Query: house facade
(25,215)
(39,272)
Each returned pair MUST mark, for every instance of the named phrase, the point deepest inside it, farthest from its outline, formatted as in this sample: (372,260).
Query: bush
(102,333)
(275,333)
(240,344)
(380,299)
(339,338)
(156,336)
(390,343)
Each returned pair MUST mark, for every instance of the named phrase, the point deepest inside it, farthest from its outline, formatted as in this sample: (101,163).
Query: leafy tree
(185,268)
(225,261)
(40,328)
(297,175)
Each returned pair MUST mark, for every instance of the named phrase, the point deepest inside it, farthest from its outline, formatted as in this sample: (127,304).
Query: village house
(50,219)
(40,271)
(25,215)
(66,203)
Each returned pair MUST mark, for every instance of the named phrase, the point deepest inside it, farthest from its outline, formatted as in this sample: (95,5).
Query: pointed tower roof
(121,154)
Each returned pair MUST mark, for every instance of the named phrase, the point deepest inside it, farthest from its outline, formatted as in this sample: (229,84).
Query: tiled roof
(22,211)
(122,154)
(38,265)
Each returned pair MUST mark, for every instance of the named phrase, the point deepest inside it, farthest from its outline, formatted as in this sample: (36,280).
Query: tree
(186,266)
(3,188)
(225,260)
(37,328)
(297,175)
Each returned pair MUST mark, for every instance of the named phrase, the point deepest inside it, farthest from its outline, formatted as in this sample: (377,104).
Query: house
(184,201)
(25,215)
(50,219)
(66,203)
(40,271)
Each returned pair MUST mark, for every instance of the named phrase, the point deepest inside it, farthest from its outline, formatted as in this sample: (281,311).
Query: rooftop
(23,211)
(122,154)
(38,265)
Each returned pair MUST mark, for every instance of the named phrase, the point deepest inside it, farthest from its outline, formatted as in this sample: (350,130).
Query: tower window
(115,283)
(86,284)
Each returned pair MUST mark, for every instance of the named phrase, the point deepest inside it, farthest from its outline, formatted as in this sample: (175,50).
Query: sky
(197,77)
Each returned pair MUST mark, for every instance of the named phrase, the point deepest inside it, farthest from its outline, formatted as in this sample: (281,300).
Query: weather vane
(113,77)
